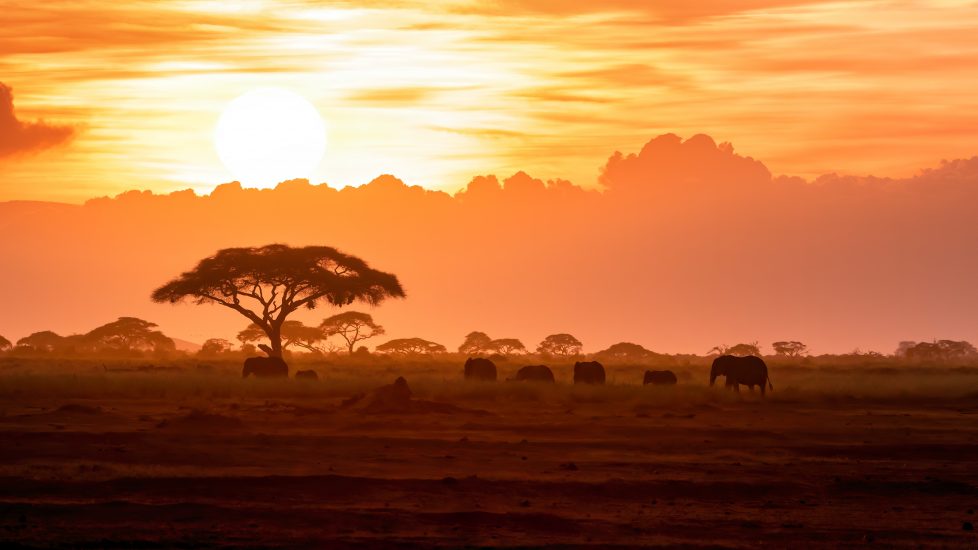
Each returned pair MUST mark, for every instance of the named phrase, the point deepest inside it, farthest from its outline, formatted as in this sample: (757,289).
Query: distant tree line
(126,336)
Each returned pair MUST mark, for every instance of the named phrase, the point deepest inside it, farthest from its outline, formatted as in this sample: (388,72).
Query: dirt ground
(100,461)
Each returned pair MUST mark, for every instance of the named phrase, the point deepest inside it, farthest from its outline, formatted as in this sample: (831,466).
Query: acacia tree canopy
(214,346)
(352,327)
(560,344)
(475,342)
(267,284)
(940,350)
(506,346)
(129,334)
(43,341)
(789,348)
(294,333)
(740,349)
(625,351)
(411,346)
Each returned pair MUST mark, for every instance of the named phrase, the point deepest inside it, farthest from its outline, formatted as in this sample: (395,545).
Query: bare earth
(249,470)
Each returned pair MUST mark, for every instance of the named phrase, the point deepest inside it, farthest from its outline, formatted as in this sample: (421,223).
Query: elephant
(660,378)
(588,372)
(535,373)
(478,368)
(265,367)
(749,370)
(310,375)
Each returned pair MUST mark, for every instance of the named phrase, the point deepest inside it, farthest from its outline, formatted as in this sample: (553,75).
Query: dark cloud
(19,137)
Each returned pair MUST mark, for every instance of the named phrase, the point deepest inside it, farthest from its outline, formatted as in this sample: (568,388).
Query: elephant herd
(750,371)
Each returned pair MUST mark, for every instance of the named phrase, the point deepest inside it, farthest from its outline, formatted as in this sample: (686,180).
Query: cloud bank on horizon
(688,245)
(436,92)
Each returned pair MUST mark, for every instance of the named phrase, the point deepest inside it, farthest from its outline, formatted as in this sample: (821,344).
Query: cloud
(669,161)
(19,137)
(393,96)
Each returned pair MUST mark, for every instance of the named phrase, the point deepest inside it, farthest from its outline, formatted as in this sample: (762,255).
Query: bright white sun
(270,135)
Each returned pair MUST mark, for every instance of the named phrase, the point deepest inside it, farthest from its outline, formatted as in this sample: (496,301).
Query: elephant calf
(477,368)
(660,378)
(588,372)
(265,367)
(535,373)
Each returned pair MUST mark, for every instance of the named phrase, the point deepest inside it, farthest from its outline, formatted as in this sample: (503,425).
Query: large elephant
(478,368)
(588,372)
(265,367)
(750,371)
(535,373)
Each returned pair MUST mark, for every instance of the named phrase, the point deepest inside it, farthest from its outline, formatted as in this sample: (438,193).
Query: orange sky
(129,92)
(679,243)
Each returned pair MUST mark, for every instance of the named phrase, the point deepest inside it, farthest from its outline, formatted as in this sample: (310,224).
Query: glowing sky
(437,92)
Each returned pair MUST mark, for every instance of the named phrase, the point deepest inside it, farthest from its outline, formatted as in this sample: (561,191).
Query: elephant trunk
(713,375)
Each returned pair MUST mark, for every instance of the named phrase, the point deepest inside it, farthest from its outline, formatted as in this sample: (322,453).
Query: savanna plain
(114,453)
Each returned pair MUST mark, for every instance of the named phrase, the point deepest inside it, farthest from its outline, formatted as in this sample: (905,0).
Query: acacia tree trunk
(275,338)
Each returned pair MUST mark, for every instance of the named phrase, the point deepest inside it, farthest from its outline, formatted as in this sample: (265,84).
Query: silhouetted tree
(626,351)
(506,346)
(903,347)
(955,349)
(44,341)
(411,346)
(269,283)
(560,344)
(214,346)
(740,349)
(942,350)
(4,344)
(129,334)
(352,327)
(294,334)
(790,348)
(475,343)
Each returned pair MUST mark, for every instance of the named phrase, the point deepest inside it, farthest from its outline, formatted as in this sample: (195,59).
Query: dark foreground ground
(583,470)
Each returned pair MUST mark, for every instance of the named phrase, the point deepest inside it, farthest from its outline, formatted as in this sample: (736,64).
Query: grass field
(140,453)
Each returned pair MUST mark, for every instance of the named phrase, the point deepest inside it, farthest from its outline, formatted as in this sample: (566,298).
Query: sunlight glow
(270,135)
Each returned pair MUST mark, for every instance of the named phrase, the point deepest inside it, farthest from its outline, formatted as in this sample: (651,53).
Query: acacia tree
(506,346)
(4,344)
(213,347)
(294,333)
(352,327)
(128,334)
(740,349)
(941,350)
(267,284)
(560,344)
(43,341)
(625,351)
(475,342)
(790,348)
(411,346)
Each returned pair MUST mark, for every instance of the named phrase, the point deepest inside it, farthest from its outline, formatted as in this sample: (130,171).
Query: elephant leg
(751,386)
(736,387)
(762,389)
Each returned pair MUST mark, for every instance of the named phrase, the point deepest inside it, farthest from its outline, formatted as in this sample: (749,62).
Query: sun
(269,135)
